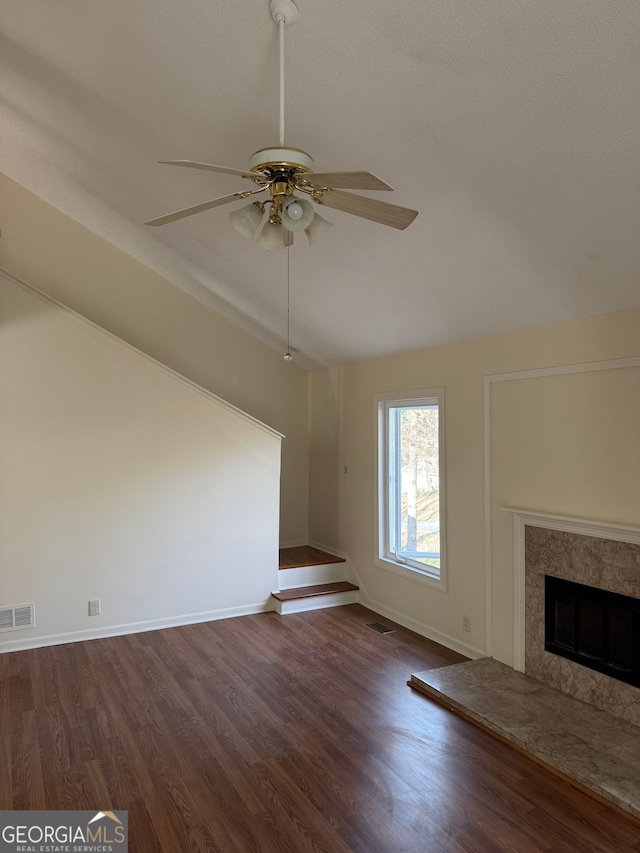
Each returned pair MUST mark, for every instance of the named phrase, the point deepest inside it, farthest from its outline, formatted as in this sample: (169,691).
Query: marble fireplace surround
(597,554)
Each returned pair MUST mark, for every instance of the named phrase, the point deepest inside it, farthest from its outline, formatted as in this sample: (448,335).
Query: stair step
(311,575)
(311,591)
(305,555)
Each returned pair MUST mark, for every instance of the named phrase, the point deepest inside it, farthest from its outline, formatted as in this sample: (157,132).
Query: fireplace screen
(593,627)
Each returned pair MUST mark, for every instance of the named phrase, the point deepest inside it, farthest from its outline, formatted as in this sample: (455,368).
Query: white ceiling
(513,127)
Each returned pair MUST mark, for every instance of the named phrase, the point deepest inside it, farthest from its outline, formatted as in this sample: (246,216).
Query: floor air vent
(380,628)
(18,616)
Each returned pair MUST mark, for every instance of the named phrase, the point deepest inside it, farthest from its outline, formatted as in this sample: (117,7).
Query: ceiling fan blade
(197,208)
(288,237)
(190,164)
(368,208)
(346,180)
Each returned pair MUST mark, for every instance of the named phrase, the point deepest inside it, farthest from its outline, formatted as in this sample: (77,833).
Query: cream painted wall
(545,438)
(568,445)
(121,481)
(326,468)
(66,261)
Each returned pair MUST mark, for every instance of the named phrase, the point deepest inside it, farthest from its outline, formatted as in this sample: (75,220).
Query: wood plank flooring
(305,555)
(265,734)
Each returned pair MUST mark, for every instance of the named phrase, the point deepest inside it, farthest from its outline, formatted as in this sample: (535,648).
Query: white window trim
(409,398)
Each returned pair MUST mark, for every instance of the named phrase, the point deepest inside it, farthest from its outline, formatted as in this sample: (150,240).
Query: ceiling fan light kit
(317,228)
(282,172)
(271,237)
(246,220)
(297,213)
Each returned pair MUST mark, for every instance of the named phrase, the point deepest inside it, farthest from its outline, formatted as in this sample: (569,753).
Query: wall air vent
(17,616)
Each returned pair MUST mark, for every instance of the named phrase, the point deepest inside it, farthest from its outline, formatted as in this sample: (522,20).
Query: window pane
(415,472)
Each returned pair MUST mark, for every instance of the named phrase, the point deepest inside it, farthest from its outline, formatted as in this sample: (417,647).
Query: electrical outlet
(94,607)
(466,623)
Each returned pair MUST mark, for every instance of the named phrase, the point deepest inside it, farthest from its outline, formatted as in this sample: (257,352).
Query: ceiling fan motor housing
(281,159)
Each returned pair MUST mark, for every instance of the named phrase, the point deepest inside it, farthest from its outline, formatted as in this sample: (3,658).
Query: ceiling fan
(283,171)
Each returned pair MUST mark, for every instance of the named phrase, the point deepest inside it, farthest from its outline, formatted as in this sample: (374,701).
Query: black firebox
(596,628)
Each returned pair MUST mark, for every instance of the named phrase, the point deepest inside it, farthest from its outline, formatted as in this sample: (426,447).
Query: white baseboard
(133,627)
(418,627)
(294,543)
(423,630)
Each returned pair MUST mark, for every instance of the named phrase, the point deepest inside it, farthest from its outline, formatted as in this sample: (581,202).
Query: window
(411,484)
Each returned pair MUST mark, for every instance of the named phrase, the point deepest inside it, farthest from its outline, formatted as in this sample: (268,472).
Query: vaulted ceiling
(512,127)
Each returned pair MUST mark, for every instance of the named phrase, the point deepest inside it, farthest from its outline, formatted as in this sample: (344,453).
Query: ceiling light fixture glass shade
(316,228)
(246,221)
(297,213)
(271,237)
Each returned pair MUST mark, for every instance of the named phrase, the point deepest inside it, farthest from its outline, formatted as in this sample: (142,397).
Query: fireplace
(588,554)
(593,627)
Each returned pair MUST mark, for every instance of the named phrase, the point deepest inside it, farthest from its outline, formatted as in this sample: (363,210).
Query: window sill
(412,574)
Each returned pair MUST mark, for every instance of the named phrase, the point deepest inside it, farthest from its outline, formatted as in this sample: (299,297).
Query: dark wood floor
(305,555)
(275,734)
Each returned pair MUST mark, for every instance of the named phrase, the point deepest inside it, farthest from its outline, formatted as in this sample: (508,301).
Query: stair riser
(316,602)
(311,575)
